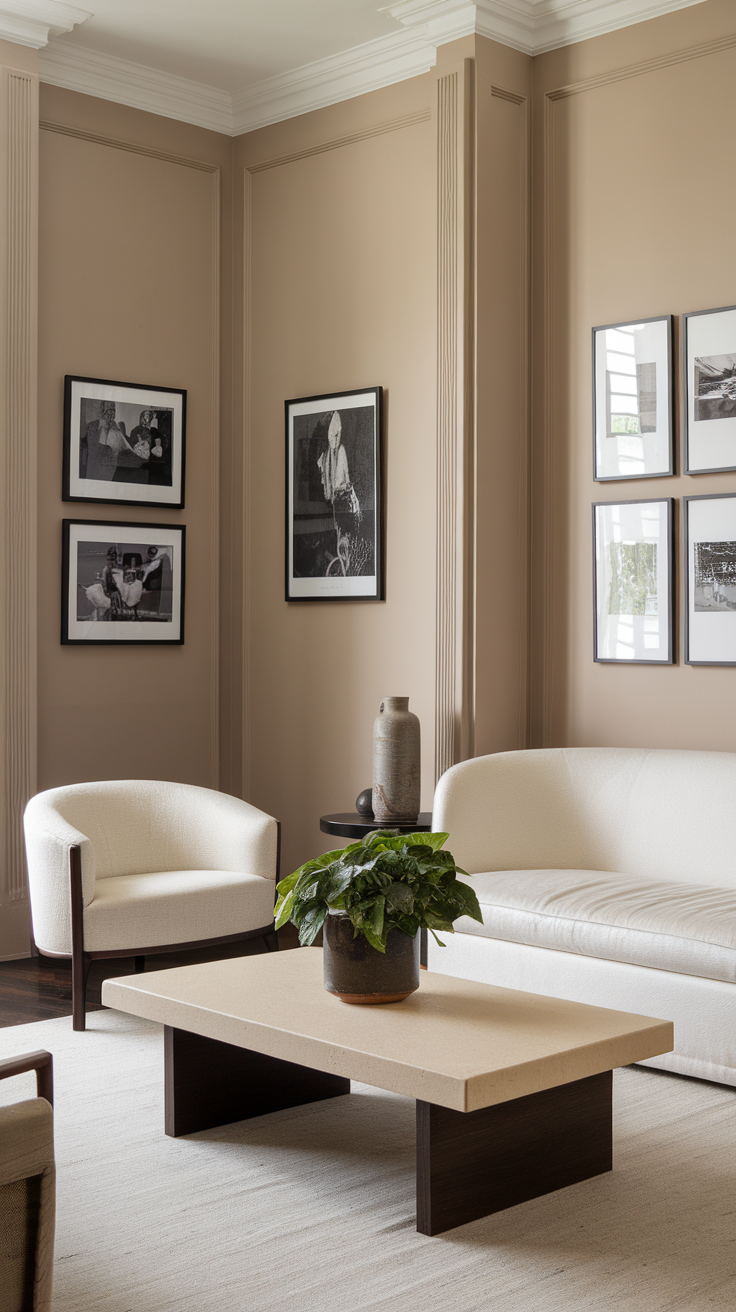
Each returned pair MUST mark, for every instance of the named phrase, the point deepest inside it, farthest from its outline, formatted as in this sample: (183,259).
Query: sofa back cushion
(658,814)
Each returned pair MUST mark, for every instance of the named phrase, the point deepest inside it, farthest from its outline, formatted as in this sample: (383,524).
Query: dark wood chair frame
(41,1062)
(82,960)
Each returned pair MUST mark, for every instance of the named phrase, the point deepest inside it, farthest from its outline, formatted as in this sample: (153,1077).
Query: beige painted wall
(634,213)
(341,248)
(130,248)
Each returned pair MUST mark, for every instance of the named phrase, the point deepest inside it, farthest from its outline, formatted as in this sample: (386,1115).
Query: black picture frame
(137,609)
(710,627)
(709,421)
(651,452)
(334,515)
(634,621)
(148,469)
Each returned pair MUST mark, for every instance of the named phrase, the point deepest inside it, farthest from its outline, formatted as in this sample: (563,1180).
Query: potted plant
(372,898)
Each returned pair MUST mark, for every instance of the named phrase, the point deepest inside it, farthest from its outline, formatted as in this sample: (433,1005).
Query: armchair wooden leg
(80,960)
(80,970)
(139,964)
(271,939)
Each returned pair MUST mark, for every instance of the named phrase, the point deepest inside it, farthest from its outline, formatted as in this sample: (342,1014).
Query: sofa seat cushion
(688,928)
(175,906)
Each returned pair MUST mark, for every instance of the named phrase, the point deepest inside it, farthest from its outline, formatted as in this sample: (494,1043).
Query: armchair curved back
(135,826)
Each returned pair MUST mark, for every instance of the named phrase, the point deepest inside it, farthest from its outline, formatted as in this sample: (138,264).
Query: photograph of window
(632,400)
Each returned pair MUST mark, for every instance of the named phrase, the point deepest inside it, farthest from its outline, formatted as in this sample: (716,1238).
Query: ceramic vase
(396,763)
(358,973)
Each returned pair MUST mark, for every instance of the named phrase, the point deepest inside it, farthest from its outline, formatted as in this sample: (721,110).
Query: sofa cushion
(689,928)
(175,906)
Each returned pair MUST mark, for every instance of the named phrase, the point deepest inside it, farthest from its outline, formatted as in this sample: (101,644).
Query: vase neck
(395,704)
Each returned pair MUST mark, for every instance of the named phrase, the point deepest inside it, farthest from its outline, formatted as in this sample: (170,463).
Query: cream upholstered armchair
(132,867)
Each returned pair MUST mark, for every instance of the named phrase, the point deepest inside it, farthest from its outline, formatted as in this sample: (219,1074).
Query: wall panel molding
(334,143)
(455,418)
(18,367)
(249,172)
(209,611)
(524,485)
(544,471)
(640,70)
(247,462)
(120,143)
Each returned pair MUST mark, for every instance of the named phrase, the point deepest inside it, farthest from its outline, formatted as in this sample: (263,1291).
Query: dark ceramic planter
(356,972)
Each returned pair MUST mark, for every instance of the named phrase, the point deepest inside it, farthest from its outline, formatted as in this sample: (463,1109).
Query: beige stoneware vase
(396,763)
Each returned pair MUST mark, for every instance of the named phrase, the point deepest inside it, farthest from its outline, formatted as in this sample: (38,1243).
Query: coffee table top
(455,1043)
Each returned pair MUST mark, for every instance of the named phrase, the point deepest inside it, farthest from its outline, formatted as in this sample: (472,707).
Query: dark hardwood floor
(39,988)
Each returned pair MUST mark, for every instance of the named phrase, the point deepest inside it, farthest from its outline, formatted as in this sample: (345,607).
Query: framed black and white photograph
(123,442)
(122,582)
(334,507)
(710,613)
(633,428)
(633,581)
(709,346)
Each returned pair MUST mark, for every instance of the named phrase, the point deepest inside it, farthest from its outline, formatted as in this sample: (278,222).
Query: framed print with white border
(123,442)
(633,428)
(709,348)
(710,572)
(122,583)
(633,581)
(334,503)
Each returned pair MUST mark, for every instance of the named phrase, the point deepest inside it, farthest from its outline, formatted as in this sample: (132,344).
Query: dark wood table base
(208,1083)
(469,1164)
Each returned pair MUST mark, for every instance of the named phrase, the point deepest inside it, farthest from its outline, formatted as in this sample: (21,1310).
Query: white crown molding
(367,67)
(326,82)
(531,26)
(77,68)
(32,22)
(563,22)
(440,21)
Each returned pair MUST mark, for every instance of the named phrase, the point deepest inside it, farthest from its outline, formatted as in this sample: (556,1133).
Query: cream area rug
(312,1209)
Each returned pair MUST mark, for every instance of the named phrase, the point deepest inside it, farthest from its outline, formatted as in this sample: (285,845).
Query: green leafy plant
(386,881)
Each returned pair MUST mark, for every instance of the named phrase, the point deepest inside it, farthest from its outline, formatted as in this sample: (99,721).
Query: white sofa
(605,875)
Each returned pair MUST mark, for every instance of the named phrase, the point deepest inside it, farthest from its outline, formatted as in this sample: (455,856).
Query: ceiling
(234,65)
(229,43)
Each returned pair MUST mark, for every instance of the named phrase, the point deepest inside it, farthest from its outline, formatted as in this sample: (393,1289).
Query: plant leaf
(311,925)
(435,841)
(400,897)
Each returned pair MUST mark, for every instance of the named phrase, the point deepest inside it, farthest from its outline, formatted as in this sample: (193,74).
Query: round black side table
(349,824)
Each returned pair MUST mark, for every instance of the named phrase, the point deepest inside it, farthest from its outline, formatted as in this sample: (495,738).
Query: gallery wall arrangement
(633,437)
(122,583)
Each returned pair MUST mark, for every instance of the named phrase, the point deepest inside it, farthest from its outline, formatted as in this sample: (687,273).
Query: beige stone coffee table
(513,1091)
